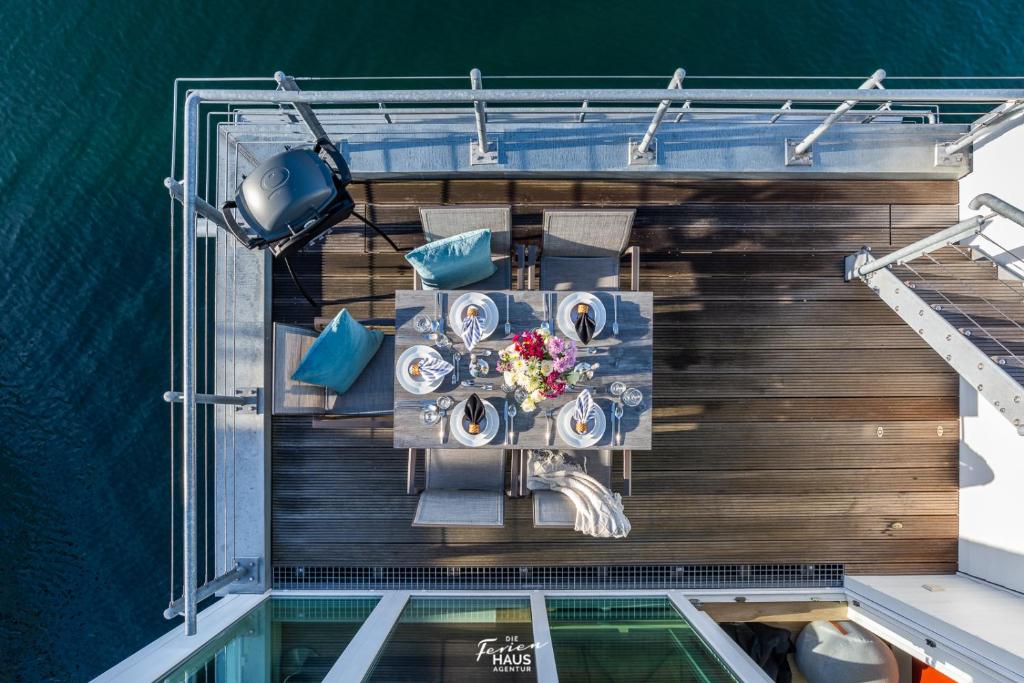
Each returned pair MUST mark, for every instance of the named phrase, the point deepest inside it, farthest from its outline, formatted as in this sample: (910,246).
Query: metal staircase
(960,302)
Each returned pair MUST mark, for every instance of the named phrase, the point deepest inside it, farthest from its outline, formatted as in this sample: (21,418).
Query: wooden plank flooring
(796,417)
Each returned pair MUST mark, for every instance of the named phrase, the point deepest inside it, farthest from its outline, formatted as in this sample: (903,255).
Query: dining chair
(581,249)
(372,394)
(446,221)
(553,509)
(463,487)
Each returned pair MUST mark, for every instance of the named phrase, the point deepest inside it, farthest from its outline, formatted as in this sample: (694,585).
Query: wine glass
(632,397)
(445,402)
(441,340)
(617,389)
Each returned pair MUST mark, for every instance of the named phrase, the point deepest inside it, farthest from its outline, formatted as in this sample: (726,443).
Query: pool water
(440,639)
(628,639)
(284,639)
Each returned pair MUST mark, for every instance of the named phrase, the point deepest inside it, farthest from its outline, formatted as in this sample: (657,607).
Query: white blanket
(599,511)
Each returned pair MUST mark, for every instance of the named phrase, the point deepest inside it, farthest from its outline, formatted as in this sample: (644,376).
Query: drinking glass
(423,324)
(632,397)
(617,389)
(478,367)
(441,340)
(445,402)
(430,414)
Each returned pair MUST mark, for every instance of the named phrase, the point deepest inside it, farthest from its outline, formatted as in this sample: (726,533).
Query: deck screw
(921,331)
(921,312)
(880,431)
(967,333)
(896,291)
(949,337)
(948,357)
(936,307)
(1016,399)
(896,525)
(980,387)
(938,430)
(1002,361)
(896,308)
(980,366)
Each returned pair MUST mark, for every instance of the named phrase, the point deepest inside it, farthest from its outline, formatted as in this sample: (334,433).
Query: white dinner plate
(416,385)
(481,301)
(569,435)
(490,429)
(566,316)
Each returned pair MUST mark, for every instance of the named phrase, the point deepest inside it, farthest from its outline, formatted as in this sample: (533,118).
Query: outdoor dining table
(626,357)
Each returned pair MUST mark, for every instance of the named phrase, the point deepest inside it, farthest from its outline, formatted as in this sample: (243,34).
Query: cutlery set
(509,408)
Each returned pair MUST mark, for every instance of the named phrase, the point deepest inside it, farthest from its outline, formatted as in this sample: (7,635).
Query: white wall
(991,452)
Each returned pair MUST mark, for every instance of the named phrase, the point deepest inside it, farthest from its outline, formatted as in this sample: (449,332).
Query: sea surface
(86,92)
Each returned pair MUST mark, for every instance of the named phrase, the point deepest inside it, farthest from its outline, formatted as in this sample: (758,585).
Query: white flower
(537,396)
(509,377)
(545,368)
(528,405)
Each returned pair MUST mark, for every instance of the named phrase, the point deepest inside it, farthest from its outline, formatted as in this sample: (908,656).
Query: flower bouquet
(539,366)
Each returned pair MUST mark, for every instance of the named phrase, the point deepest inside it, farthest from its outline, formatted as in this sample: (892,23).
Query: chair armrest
(531,266)
(520,259)
(410,475)
(627,473)
(634,267)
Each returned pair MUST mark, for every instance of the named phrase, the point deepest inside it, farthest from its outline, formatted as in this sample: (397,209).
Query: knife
(505,417)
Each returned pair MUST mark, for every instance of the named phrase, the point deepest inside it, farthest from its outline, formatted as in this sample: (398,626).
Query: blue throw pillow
(454,261)
(339,354)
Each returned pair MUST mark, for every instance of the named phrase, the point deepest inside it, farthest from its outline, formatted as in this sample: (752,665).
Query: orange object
(922,673)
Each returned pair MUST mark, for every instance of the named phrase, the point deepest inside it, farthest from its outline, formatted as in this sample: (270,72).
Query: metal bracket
(853,262)
(478,157)
(252,567)
(944,159)
(648,158)
(794,159)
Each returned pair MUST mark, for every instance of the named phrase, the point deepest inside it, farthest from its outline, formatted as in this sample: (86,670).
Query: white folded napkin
(473,330)
(585,408)
(432,369)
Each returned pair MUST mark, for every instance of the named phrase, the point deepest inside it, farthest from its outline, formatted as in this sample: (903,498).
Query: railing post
(645,152)
(188,381)
(992,124)
(799,153)
(480,150)
(286,82)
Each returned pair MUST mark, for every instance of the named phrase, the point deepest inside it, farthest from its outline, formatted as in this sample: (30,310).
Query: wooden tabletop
(626,357)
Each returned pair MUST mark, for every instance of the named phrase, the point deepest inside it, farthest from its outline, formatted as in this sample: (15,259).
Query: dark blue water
(86,100)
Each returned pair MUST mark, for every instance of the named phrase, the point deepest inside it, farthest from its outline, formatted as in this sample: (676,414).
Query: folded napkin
(584,323)
(431,368)
(475,415)
(584,411)
(473,327)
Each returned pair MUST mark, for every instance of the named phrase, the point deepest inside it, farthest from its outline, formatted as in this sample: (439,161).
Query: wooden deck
(796,417)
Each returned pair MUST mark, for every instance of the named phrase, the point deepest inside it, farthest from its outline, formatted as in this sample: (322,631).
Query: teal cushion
(454,261)
(339,354)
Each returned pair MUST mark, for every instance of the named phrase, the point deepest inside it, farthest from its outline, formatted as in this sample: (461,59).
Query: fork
(617,419)
(456,357)
(550,415)
(508,320)
(545,325)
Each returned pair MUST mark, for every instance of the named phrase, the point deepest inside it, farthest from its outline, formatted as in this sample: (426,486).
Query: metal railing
(202,105)
(985,372)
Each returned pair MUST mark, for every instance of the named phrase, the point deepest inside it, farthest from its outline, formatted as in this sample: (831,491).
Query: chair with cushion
(464,487)
(582,248)
(553,509)
(370,393)
(446,222)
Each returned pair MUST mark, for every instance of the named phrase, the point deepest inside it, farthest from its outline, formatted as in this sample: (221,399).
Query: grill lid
(287,189)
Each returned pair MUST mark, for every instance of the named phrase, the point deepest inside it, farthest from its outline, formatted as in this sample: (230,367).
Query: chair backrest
(445,221)
(290,396)
(467,469)
(587,232)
